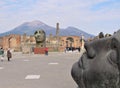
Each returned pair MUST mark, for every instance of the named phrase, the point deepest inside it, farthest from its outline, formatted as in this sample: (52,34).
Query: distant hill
(30,27)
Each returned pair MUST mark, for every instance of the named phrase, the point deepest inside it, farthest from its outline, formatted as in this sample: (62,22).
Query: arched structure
(12,41)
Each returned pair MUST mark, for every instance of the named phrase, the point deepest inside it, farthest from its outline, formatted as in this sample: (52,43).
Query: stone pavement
(38,71)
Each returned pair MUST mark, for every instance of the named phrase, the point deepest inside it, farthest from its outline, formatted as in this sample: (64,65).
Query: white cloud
(76,13)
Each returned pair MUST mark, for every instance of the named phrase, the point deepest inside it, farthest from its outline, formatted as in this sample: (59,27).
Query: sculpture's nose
(38,35)
(90,50)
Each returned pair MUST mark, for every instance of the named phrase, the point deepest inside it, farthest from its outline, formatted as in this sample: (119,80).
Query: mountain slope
(30,27)
(74,31)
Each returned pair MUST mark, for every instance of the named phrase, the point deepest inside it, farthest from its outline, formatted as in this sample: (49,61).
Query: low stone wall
(54,49)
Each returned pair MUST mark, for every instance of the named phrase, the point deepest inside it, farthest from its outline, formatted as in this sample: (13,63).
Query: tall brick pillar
(57,29)
(57,36)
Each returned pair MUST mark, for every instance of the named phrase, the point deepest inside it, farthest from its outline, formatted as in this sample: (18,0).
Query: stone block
(39,50)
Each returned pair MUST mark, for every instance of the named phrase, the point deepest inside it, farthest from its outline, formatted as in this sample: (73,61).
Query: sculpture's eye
(112,56)
(36,32)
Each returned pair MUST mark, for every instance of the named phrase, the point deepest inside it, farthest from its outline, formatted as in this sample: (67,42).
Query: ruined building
(25,42)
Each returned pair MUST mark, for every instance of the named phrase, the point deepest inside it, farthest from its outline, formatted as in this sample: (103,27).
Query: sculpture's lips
(84,59)
(80,62)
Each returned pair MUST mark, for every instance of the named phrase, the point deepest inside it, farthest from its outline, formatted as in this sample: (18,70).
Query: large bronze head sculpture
(40,37)
(99,66)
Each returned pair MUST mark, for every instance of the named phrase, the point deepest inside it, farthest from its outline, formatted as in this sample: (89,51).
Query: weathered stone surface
(99,66)
(39,50)
(40,38)
(26,49)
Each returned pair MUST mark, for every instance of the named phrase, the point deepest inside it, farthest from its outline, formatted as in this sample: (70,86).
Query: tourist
(2,54)
(65,50)
(9,54)
(46,51)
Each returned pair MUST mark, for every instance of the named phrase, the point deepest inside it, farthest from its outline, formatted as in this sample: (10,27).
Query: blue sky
(92,16)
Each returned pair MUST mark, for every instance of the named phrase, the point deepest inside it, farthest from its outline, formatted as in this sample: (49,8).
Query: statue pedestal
(39,50)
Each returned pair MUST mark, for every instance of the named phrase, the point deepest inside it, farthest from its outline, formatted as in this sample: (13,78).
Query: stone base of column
(39,50)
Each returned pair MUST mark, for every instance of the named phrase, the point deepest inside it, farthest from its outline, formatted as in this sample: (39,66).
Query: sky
(91,16)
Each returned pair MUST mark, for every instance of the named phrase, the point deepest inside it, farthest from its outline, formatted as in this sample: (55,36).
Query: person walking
(1,54)
(9,54)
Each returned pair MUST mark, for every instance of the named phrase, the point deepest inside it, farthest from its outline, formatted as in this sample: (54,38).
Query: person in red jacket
(46,51)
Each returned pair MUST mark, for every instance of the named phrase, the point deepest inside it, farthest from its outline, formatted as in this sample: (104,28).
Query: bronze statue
(99,66)
(40,37)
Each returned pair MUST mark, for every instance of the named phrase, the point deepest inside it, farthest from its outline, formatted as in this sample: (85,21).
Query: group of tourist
(2,54)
